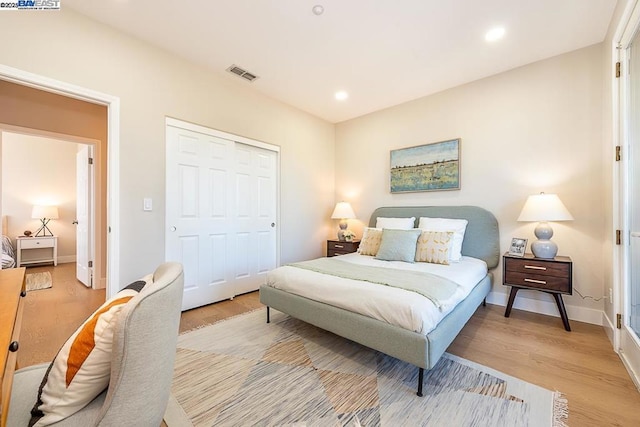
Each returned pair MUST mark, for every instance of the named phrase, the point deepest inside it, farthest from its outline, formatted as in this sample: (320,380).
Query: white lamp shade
(343,210)
(544,207)
(40,212)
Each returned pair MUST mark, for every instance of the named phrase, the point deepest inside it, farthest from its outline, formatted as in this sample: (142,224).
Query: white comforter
(399,307)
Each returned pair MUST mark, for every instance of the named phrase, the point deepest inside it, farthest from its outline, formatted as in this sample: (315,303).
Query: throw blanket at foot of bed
(435,288)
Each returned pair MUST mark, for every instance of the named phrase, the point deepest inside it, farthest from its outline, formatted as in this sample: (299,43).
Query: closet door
(220,214)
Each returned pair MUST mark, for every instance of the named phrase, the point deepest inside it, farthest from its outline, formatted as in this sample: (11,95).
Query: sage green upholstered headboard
(481,239)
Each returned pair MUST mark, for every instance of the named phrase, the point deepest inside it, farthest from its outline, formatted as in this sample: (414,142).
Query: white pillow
(458,226)
(82,368)
(396,223)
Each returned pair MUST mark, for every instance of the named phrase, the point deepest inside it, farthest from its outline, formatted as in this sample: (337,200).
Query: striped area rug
(245,372)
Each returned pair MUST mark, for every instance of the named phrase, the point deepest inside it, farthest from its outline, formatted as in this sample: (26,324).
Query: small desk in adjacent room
(43,248)
(12,293)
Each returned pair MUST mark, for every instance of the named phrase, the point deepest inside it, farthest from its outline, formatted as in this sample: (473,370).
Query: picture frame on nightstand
(518,247)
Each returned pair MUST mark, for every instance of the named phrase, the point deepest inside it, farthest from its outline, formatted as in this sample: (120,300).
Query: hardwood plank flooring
(536,348)
(52,315)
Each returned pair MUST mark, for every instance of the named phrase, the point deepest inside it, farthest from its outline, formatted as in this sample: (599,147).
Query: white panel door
(219,216)
(630,317)
(83,217)
(255,213)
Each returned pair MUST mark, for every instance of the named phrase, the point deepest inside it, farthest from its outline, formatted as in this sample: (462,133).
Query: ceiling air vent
(234,69)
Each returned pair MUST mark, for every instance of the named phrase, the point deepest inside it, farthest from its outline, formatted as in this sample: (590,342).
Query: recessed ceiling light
(341,95)
(317,9)
(494,34)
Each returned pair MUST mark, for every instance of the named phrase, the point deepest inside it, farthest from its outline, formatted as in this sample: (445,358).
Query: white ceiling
(382,52)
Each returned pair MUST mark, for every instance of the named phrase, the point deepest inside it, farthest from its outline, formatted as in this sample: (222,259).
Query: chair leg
(420,379)
(268,318)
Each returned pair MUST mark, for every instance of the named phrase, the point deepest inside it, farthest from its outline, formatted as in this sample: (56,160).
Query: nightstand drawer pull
(541,282)
(534,267)
(338,246)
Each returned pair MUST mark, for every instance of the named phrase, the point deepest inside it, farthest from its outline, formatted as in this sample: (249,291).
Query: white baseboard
(609,328)
(549,308)
(66,259)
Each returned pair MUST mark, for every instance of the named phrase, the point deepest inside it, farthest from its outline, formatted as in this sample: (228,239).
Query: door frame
(112,103)
(627,29)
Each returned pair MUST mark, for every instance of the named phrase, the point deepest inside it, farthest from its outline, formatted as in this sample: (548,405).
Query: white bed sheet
(398,307)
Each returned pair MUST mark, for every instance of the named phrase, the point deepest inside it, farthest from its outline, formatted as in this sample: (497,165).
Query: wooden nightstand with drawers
(338,247)
(553,276)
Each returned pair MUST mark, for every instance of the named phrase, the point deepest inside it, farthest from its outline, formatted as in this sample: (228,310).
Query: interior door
(219,221)
(630,317)
(83,215)
(255,213)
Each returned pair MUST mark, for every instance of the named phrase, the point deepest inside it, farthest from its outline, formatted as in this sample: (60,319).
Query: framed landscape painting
(429,167)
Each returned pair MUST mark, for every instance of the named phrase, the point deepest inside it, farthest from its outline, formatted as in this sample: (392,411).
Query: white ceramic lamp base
(343,227)
(544,247)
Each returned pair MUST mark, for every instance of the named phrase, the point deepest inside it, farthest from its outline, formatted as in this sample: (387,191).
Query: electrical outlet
(610,296)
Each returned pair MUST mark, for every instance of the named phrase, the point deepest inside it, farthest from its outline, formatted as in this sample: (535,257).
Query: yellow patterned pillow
(434,247)
(370,243)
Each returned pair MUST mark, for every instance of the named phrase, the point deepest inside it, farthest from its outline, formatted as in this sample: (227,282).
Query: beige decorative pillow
(434,247)
(370,243)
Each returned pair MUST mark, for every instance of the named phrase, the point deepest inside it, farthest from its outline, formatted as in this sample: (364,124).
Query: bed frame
(481,241)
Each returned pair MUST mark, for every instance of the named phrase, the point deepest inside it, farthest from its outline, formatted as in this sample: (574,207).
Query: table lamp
(542,208)
(44,214)
(343,212)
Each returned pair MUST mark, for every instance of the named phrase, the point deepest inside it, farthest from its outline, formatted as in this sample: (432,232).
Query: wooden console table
(12,292)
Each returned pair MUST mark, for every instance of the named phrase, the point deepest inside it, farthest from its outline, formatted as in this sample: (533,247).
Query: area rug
(243,371)
(37,281)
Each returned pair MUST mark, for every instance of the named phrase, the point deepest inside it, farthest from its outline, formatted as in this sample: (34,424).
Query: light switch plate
(147,204)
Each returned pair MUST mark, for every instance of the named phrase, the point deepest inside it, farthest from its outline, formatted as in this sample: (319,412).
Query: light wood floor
(52,315)
(529,346)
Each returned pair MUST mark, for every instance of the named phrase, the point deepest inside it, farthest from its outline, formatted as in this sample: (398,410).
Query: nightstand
(24,244)
(337,247)
(553,276)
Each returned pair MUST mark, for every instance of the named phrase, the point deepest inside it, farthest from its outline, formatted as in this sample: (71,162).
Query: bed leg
(420,379)
(484,302)
(268,319)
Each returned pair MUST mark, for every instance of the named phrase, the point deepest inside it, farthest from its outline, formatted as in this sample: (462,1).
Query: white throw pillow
(370,243)
(434,247)
(458,226)
(81,369)
(396,223)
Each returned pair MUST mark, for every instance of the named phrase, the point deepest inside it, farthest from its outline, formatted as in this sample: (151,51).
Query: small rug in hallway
(37,281)
(243,371)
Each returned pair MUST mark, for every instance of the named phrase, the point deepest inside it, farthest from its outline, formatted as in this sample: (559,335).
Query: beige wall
(151,85)
(40,171)
(535,128)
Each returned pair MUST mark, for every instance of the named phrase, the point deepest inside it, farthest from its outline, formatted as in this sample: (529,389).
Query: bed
(8,253)
(481,242)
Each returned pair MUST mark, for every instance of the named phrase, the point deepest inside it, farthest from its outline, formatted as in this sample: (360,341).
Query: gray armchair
(144,350)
